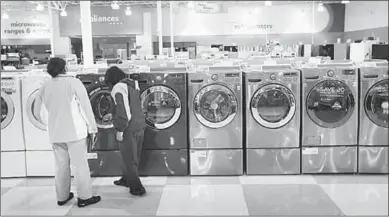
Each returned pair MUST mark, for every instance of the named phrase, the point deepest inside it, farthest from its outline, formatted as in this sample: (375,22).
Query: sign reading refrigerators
(25,25)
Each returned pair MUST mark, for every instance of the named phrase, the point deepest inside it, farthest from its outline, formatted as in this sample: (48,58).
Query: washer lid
(162,107)
(376,103)
(7,110)
(273,106)
(215,106)
(330,103)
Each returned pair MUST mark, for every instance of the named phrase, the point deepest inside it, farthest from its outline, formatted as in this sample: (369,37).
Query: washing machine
(373,130)
(13,160)
(215,120)
(39,151)
(272,120)
(104,157)
(330,118)
(164,102)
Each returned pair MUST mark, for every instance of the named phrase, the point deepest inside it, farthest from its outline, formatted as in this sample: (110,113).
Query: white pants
(76,153)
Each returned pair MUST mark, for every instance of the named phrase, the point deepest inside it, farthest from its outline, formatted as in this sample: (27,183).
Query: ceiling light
(320,8)
(40,7)
(64,13)
(128,11)
(268,3)
(5,16)
(115,5)
(191,5)
(345,2)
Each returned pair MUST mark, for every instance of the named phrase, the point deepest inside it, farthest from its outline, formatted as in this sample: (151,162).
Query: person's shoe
(121,182)
(61,203)
(87,202)
(138,192)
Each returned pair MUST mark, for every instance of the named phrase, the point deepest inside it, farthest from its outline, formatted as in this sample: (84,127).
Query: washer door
(273,106)
(377,103)
(38,122)
(330,103)
(162,107)
(102,106)
(7,110)
(215,106)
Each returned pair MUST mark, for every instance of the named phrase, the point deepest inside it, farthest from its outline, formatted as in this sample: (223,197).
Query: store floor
(246,195)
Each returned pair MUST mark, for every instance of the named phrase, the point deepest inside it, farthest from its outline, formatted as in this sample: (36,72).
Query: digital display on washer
(377,103)
(330,103)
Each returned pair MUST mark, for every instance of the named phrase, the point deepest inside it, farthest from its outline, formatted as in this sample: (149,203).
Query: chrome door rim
(30,115)
(200,94)
(370,114)
(92,95)
(10,112)
(286,91)
(177,112)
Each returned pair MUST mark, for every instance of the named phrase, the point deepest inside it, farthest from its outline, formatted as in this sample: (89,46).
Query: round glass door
(102,106)
(162,107)
(330,103)
(377,103)
(39,122)
(7,110)
(215,106)
(273,106)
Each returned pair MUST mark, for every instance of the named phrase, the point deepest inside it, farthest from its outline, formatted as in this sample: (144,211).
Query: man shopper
(129,122)
(70,122)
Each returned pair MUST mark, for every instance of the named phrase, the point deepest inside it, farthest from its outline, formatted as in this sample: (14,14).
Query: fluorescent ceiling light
(345,2)
(128,11)
(115,5)
(64,13)
(40,7)
(5,16)
(268,3)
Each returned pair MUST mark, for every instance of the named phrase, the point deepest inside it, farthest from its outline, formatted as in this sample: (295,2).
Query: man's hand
(93,139)
(119,136)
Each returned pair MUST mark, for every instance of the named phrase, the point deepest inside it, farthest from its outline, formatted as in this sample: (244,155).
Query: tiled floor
(180,196)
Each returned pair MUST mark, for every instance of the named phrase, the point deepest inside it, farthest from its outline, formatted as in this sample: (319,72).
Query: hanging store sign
(26,25)
(207,7)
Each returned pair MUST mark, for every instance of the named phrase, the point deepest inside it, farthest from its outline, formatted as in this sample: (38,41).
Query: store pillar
(86,30)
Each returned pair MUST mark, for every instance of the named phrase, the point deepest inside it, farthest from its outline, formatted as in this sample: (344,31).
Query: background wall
(366,18)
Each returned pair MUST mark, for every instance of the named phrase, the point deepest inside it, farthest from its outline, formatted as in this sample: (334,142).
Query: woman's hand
(119,136)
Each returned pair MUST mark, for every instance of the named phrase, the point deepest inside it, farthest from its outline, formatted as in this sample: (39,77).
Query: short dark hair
(113,75)
(56,66)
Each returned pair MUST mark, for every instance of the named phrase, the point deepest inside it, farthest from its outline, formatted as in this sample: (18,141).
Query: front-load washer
(164,102)
(373,130)
(13,161)
(39,151)
(103,157)
(215,120)
(273,120)
(330,118)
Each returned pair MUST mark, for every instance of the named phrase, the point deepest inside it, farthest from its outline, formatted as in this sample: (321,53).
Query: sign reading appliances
(103,19)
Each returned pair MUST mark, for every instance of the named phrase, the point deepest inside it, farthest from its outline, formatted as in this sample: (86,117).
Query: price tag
(369,64)
(143,68)
(310,151)
(91,156)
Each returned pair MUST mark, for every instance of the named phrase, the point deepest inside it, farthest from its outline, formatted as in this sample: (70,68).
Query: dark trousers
(130,151)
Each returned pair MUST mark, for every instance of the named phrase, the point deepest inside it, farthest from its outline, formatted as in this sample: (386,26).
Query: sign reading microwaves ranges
(20,26)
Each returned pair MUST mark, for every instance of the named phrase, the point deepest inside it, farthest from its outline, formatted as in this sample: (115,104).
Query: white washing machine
(39,152)
(12,140)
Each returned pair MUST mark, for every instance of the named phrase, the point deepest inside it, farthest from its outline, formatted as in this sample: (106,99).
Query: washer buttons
(273,76)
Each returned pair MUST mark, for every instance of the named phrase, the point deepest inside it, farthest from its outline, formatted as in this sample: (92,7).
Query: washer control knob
(214,77)
(273,76)
(330,73)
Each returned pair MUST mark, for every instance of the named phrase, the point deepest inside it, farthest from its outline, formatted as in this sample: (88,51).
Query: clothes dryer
(39,151)
(215,120)
(13,160)
(373,130)
(273,120)
(104,157)
(330,119)
(163,98)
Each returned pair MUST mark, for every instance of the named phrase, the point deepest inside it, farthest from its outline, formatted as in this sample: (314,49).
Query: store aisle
(247,195)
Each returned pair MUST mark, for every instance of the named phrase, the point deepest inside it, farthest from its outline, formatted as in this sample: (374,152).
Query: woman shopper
(70,122)
(130,124)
